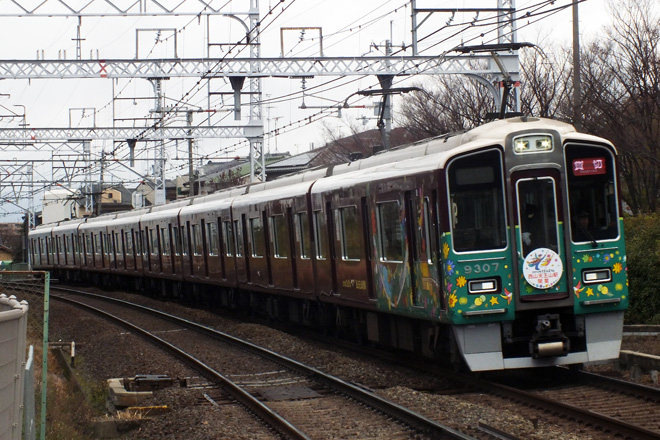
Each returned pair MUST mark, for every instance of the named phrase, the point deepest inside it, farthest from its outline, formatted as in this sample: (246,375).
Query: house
(148,193)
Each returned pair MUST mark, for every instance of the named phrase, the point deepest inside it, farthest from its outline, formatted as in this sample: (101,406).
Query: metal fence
(20,291)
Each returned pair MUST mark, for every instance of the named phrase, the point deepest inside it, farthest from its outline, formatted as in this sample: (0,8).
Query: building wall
(58,205)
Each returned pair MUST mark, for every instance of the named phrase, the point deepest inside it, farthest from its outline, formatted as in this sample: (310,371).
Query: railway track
(255,376)
(619,408)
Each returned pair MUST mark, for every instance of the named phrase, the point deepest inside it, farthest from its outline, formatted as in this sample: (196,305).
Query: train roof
(404,159)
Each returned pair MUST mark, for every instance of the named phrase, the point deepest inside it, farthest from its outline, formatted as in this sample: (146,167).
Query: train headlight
(596,276)
(483,286)
(532,144)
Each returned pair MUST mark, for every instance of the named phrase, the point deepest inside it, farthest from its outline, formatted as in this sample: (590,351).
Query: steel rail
(250,402)
(408,417)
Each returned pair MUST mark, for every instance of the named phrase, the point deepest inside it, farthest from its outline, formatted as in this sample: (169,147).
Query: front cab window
(476,202)
(592,193)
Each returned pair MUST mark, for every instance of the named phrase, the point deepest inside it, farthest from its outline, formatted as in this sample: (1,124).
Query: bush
(643,263)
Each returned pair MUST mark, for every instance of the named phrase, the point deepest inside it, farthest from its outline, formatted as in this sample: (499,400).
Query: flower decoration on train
(450,268)
(452,300)
(461,281)
(445,250)
(617,268)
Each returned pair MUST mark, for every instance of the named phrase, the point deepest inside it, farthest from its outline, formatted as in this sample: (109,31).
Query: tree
(452,103)
(546,87)
(621,82)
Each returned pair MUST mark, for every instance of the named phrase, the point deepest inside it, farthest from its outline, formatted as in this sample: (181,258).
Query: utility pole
(577,85)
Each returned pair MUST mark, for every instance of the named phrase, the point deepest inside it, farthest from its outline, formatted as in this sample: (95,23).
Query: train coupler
(548,339)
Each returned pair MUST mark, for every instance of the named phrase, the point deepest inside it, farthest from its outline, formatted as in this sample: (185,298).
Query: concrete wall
(13,334)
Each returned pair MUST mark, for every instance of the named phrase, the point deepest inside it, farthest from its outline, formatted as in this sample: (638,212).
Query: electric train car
(501,247)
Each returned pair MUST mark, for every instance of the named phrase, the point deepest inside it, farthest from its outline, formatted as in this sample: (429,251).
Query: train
(500,247)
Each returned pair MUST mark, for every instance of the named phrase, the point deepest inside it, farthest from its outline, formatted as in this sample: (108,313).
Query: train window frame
(197,242)
(390,231)
(153,242)
(497,223)
(257,239)
(349,223)
(139,245)
(165,241)
(302,225)
(128,241)
(239,250)
(185,243)
(320,230)
(97,244)
(115,247)
(228,233)
(212,239)
(176,240)
(524,214)
(106,244)
(279,236)
(422,233)
(600,191)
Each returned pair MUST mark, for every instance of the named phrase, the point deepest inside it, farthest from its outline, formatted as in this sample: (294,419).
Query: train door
(542,258)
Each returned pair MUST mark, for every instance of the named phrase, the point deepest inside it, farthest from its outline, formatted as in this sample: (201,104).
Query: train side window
(106,244)
(165,241)
(390,235)
(138,243)
(197,245)
(97,244)
(176,241)
(238,235)
(212,240)
(257,245)
(116,240)
(153,241)
(476,202)
(424,234)
(302,226)
(280,236)
(143,242)
(184,241)
(319,233)
(229,238)
(128,240)
(349,231)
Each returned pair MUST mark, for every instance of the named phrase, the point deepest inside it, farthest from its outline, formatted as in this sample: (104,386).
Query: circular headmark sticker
(542,268)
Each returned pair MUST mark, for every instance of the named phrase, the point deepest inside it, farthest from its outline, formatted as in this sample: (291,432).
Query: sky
(349,28)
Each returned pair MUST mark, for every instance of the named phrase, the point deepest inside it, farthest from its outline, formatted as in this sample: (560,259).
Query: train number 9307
(470,269)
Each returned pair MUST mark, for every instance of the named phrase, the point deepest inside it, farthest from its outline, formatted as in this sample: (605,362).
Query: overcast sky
(349,28)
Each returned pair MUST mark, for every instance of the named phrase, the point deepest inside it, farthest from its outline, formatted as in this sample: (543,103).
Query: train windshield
(476,198)
(538,214)
(592,193)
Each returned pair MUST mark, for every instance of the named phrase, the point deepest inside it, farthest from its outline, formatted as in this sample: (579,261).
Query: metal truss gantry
(254,68)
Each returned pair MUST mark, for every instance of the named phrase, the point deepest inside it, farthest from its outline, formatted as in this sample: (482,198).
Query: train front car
(534,260)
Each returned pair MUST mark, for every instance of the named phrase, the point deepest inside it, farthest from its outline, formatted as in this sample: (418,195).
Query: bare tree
(455,103)
(621,78)
(546,85)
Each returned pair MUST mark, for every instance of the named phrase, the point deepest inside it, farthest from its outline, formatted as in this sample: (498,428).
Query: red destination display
(590,166)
